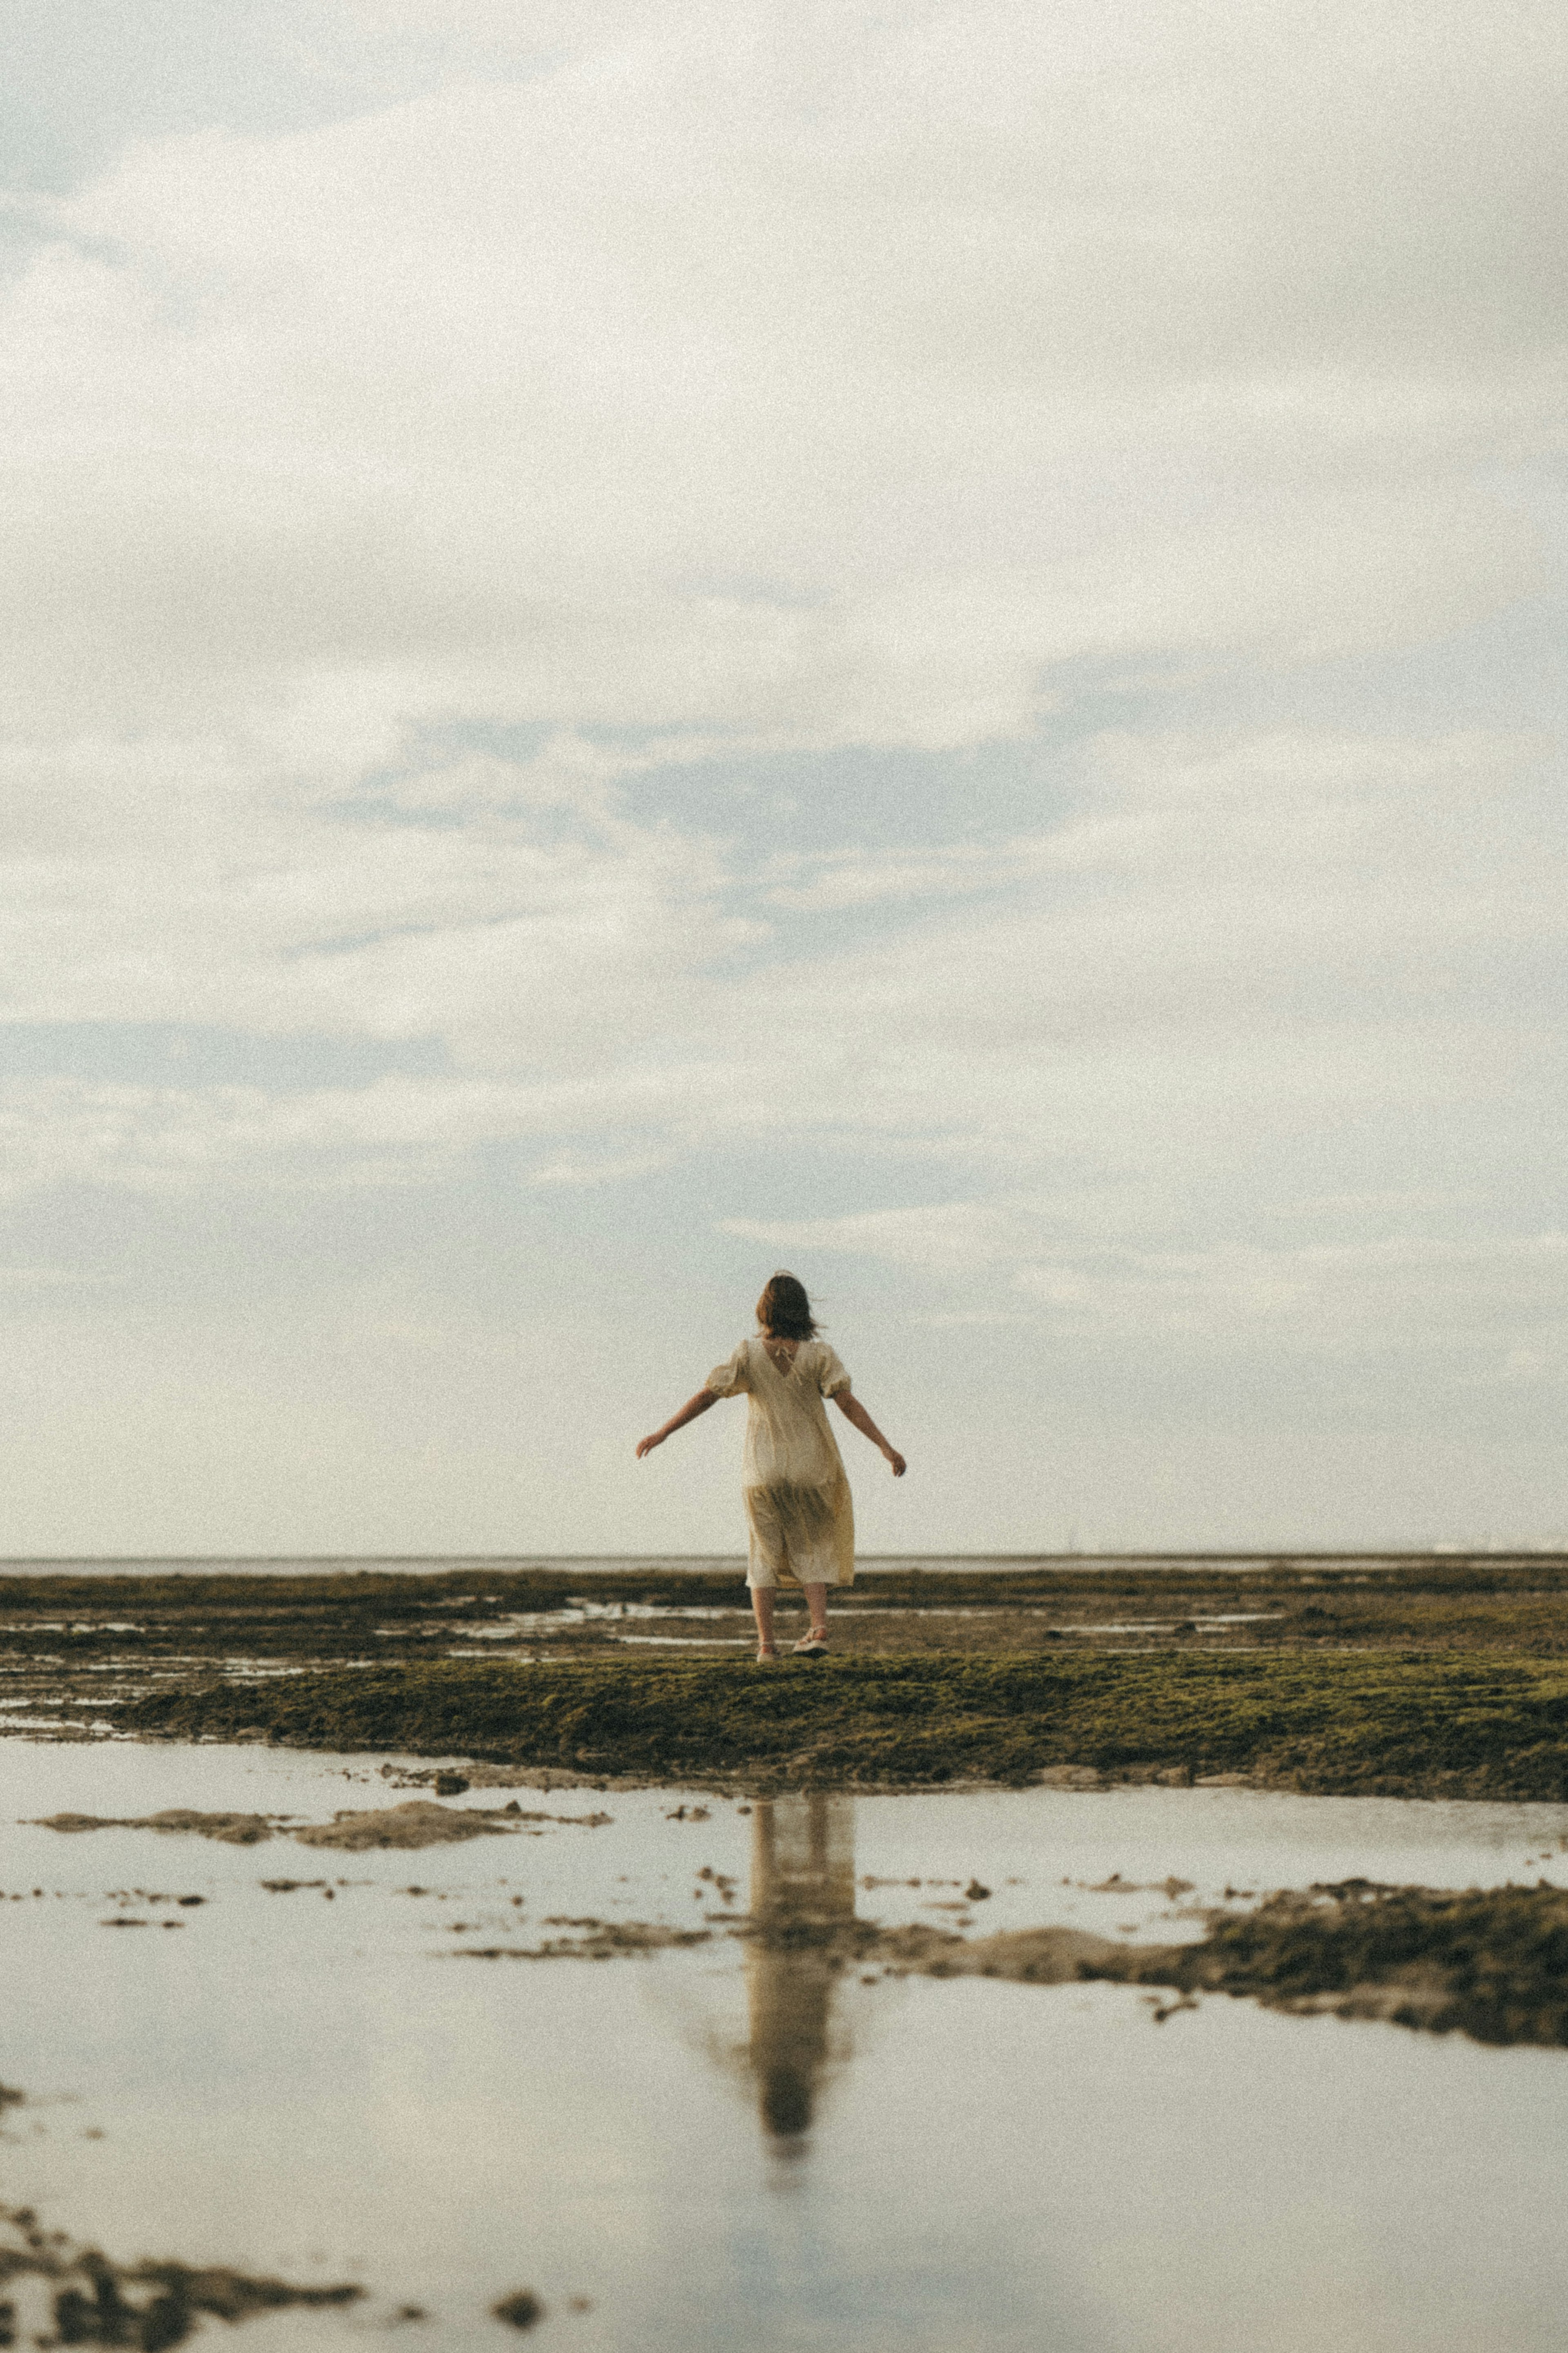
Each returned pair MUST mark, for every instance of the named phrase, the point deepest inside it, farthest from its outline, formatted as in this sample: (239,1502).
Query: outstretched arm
(689,1412)
(850,1407)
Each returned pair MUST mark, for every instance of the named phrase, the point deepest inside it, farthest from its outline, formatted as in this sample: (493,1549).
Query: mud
(1344,1723)
(54,2293)
(230,1830)
(418,1824)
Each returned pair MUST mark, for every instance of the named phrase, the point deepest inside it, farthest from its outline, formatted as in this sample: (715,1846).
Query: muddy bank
(54,2293)
(1342,1723)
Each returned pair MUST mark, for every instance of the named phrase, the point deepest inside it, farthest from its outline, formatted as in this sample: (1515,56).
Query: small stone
(450,1785)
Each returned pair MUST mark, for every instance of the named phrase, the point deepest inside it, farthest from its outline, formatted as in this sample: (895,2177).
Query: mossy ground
(1402,1724)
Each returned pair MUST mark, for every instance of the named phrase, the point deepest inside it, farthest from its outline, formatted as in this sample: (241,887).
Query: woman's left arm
(850,1407)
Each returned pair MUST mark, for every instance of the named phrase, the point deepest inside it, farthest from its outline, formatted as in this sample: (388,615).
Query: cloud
(1410,1292)
(1227,939)
(975,345)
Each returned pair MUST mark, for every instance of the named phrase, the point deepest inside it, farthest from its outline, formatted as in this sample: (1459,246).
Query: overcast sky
(647,640)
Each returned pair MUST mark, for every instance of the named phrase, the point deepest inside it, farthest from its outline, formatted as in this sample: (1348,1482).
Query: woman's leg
(816,1609)
(762,1608)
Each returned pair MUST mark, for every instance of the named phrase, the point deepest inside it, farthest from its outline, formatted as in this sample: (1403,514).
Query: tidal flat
(1166,1955)
(1409,1676)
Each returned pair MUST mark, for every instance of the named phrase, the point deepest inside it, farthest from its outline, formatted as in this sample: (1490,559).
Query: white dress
(798,1507)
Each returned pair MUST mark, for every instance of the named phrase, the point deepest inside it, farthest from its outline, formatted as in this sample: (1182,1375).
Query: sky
(646,640)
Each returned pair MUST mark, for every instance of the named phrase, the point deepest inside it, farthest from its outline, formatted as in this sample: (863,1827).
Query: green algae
(1408,1724)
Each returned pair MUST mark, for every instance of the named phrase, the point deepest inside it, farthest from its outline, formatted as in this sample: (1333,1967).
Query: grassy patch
(1406,1724)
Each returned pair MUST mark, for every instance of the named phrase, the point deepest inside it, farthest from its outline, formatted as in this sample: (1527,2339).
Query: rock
(450,1785)
(1069,1776)
(519,2311)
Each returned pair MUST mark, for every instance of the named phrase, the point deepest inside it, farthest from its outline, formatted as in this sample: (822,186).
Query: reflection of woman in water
(802,1889)
(797,1498)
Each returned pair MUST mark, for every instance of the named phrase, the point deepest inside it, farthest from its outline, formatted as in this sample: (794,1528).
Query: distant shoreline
(1242,1561)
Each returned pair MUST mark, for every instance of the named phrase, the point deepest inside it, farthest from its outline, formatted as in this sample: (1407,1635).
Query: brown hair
(783,1309)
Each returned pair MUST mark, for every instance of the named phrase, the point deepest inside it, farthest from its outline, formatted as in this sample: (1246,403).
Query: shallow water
(722,2147)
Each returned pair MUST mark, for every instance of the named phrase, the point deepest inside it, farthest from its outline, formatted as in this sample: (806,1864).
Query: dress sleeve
(731,1379)
(831,1376)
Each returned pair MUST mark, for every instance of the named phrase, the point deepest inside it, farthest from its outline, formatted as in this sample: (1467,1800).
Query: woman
(797,1498)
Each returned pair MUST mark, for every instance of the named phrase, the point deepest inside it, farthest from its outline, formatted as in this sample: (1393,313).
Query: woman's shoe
(769,1652)
(812,1646)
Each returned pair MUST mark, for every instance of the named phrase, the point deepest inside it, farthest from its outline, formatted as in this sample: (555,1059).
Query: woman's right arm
(690,1411)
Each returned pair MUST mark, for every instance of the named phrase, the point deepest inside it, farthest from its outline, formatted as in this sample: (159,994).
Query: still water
(722,2147)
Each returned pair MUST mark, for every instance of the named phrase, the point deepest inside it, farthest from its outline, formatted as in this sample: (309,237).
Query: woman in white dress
(798,1508)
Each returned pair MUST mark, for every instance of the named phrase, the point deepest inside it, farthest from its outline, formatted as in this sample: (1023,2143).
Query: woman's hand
(647,1445)
(896,1462)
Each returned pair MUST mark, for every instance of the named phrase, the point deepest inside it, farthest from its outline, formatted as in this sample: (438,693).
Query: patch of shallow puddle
(721,2143)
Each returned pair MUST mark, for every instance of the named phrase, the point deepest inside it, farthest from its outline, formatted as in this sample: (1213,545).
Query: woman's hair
(784,1310)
